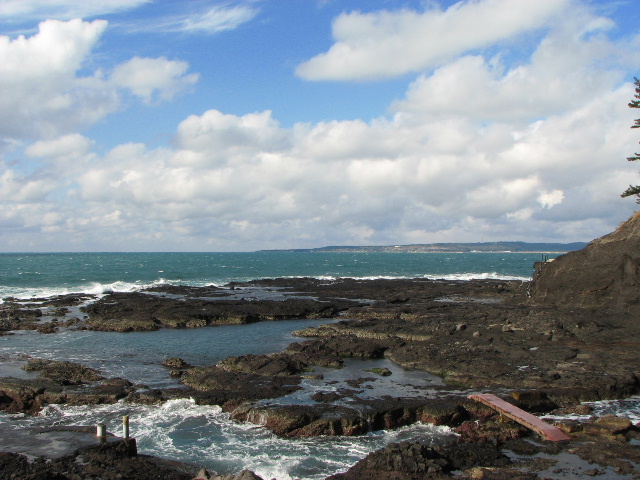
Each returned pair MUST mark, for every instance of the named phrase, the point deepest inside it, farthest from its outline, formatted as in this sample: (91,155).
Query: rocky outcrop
(409,461)
(126,312)
(61,383)
(217,386)
(354,418)
(606,273)
(106,461)
(65,373)
(602,447)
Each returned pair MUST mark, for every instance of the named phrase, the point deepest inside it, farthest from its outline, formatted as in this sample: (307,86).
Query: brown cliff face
(606,273)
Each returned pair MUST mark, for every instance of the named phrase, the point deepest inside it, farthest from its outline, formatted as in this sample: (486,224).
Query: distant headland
(487,247)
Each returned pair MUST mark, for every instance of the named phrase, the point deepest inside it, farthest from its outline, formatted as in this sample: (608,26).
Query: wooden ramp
(542,428)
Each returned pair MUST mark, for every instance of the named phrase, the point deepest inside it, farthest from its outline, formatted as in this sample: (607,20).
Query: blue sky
(205,125)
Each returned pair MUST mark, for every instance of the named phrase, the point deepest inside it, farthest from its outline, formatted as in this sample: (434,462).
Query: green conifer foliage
(634,190)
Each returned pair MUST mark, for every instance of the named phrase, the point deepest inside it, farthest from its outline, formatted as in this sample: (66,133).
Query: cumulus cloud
(69,146)
(558,77)
(390,43)
(150,77)
(46,96)
(219,136)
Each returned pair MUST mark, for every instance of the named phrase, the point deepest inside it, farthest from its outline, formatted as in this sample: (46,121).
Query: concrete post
(101,432)
(125,426)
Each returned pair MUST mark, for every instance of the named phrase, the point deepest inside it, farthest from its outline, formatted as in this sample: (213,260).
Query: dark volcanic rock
(176,362)
(66,373)
(276,364)
(46,328)
(60,382)
(125,312)
(25,396)
(606,273)
(414,461)
(341,342)
(29,396)
(104,461)
(351,418)
(399,461)
(216,386)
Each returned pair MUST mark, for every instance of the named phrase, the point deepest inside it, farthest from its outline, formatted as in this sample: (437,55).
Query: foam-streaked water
(201,435)
(28,275)
(626,407)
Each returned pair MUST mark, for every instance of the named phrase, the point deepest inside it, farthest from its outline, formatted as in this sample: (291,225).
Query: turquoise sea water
(27,275)
(204,435)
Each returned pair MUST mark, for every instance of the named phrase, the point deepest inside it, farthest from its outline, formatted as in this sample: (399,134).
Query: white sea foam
(97,288)
(627,407)
(478,276)
(429,276)
(92,288)
(204,435)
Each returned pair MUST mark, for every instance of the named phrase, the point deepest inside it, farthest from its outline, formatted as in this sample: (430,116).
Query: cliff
(606,273)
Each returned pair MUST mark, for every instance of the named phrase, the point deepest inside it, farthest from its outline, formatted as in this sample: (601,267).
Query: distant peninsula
(488,247)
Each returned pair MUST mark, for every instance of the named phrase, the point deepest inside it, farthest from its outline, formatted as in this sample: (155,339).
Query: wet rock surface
(65,373)
(125,312)
(109,461)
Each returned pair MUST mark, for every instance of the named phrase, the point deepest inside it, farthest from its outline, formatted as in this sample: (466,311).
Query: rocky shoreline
(476,335)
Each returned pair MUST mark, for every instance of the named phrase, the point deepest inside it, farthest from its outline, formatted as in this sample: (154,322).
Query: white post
(101,431)
(125,426)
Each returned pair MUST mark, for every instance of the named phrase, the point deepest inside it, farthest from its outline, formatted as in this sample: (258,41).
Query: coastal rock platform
(531,343)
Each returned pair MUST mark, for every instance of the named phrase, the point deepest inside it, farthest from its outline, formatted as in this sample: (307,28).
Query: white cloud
(151,77)
(218,19)
(70,146)
(14,10)
(216,137)
(16,189)
(256,184)
(391,43)
(45,96)
(550,199)
(558,77)
(41,94)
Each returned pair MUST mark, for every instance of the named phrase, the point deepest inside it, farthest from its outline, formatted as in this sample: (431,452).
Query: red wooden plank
(542,428)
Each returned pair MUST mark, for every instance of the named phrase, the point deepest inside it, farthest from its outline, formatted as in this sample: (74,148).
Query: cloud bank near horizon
(483,144)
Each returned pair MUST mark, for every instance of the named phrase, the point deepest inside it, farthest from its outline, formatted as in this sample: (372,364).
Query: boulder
(176,362)
(275,364)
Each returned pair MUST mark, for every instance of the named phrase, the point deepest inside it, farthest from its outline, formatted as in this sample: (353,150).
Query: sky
(240,125)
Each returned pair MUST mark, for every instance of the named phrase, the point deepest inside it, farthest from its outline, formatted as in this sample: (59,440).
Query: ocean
(204,435)
(25,275)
